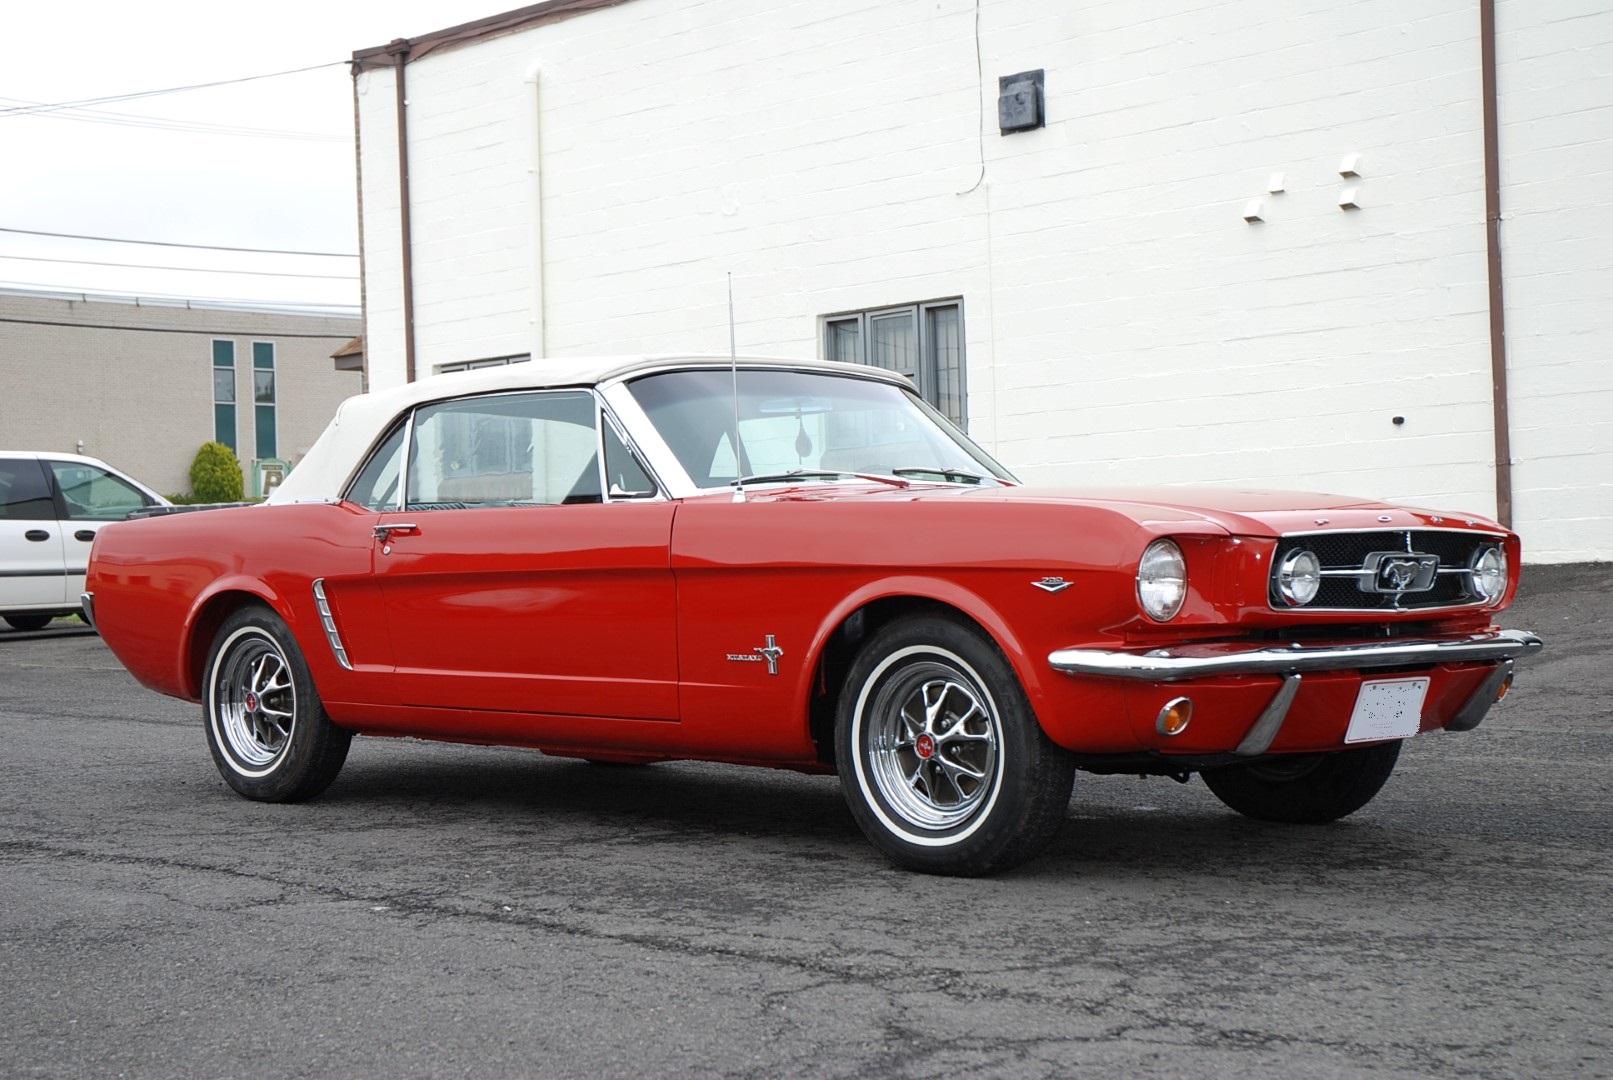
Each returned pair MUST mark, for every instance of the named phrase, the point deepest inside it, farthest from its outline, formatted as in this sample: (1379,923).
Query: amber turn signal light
(1173,718)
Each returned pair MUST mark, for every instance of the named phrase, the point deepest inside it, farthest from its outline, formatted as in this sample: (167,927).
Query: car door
(90,496)
(32,551)
(513,580)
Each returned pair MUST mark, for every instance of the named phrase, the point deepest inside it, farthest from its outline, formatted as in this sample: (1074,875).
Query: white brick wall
(1123,323)
(1556,81)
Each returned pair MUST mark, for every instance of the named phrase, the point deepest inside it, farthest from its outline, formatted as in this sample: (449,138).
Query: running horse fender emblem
(768,654)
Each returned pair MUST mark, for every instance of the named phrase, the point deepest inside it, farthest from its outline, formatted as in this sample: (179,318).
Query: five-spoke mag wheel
(933,740)
(255,701)
(941,760)
(266,726)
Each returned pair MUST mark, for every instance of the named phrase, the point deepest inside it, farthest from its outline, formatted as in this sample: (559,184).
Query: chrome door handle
(385,533)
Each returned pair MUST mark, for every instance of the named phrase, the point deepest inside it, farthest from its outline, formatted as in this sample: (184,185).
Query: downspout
(535,195)
(399,51)
(363,281)
(1492,238)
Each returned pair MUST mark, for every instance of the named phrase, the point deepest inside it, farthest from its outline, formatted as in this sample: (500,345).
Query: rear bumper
(1231,658)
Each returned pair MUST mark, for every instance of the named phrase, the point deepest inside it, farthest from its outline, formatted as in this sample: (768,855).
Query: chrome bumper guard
(86,608)
(1231,658)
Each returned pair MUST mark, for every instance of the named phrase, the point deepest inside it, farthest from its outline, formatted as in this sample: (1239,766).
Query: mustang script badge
(765,654)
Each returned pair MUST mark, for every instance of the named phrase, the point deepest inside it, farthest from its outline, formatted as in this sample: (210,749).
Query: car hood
(1234,511)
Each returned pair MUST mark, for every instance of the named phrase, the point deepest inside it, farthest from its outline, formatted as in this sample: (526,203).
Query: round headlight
(1488,572)
(1299,578)
(1162,580)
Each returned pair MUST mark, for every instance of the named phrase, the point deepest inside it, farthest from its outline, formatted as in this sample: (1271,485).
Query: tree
(215,475)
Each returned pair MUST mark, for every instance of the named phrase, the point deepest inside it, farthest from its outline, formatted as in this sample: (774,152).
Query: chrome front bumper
(1232,658)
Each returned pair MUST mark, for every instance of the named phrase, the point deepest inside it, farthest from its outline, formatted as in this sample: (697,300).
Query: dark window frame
(849,335)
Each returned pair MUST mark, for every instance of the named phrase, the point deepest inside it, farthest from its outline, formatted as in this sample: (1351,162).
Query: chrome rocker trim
(1231,658)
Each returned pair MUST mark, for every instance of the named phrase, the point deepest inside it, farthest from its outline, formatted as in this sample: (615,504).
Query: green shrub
(215,475)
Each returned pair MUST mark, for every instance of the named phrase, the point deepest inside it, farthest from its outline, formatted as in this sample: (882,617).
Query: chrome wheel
(266,725)
(932,743)
(941,760)
(254,700)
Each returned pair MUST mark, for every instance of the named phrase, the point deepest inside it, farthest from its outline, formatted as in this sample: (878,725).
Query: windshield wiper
(950,475)
(816,474)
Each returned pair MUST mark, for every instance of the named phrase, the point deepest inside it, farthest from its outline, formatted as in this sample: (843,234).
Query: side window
(94,494)
(377,485)
(623,472)
(505,450)
(24,491)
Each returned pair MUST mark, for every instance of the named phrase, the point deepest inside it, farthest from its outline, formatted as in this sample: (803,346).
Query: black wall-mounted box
(1020,102)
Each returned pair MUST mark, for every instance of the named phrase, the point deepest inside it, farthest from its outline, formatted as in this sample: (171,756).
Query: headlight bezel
(1489,563)
(1162,580)
(1294,581)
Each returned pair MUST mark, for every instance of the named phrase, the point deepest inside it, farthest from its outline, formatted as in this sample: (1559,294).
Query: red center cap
(924,746)
(252,703)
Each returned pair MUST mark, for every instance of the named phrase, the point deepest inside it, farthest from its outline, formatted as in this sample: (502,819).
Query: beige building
(142,385)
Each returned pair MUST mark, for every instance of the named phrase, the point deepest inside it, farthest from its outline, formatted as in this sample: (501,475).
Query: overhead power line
(159,123)
(184,269)
(172,244)
(34,110)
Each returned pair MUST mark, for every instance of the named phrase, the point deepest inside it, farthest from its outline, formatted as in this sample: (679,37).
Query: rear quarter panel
(163,585)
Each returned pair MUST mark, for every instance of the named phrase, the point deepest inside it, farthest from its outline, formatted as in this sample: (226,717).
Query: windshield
(795,421)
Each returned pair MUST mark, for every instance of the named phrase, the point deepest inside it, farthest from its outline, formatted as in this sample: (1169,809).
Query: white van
(50,507)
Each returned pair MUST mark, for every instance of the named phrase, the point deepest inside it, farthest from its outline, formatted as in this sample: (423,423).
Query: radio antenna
(733,368)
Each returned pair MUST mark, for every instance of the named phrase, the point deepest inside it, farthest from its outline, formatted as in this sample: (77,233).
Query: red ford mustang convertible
(802,565)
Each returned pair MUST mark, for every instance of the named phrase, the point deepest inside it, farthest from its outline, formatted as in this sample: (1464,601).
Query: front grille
(1346,558)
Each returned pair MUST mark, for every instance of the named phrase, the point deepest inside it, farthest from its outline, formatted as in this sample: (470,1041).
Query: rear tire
(941,760)
(29,622)
(266,727)
(1306,789)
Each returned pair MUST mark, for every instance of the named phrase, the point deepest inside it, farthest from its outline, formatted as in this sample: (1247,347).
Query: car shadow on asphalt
(1116,828)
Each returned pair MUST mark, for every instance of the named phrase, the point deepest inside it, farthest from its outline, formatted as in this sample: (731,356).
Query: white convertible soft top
(360,420)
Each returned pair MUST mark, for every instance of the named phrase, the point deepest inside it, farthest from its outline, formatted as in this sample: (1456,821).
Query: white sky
(62,172)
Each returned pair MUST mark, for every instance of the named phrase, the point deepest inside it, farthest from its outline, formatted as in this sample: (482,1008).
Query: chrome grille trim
(1350,559)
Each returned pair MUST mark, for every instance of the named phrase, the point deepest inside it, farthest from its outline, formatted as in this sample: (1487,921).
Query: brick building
(1349,245)
(142,386)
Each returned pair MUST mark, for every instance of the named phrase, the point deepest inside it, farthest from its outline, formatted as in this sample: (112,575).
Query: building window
(224,393)
(472,365)
(263,398)
(922,341)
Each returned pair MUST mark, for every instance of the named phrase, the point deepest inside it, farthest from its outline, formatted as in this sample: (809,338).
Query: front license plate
(1388,709)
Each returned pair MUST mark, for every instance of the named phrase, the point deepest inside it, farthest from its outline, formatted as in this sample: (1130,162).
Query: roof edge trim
(407,50)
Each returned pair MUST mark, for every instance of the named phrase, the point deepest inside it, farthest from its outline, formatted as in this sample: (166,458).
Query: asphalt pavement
(486,912)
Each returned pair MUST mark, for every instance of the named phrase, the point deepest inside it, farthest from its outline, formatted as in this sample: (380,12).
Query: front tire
(266,727)
(941,760)
(29,622)
(1306,789)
